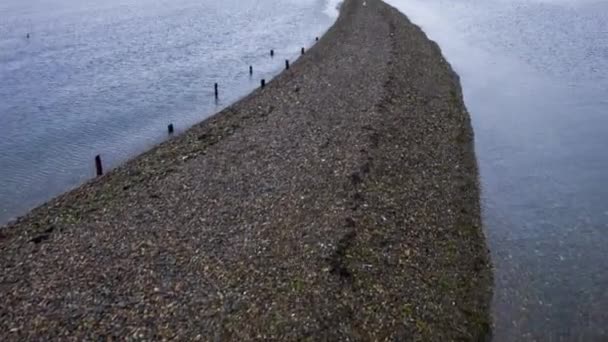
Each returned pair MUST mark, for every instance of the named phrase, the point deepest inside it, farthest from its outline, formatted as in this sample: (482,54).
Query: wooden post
(317,39)
(170,129)
(250,70)
(216,91)
(303,51)
(287,64)
(98,166)
(263,83)
(271,53)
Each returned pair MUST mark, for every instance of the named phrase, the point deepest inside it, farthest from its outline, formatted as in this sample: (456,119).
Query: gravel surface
(338,203)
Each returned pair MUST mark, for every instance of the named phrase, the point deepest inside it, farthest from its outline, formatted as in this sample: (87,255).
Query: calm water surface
(535,79)
(107,77)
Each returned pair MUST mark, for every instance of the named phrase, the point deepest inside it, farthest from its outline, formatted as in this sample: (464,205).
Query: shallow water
(107,77)
(535,80)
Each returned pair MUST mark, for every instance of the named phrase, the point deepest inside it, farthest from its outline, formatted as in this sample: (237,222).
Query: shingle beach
(340,202)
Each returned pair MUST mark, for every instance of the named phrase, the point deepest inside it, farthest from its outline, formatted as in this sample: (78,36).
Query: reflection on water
(535,79)
(107,77)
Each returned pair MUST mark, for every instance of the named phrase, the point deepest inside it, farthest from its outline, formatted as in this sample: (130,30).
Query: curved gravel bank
(340,202)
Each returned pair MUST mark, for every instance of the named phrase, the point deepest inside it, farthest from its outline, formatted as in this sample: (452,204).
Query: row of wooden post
(171,129)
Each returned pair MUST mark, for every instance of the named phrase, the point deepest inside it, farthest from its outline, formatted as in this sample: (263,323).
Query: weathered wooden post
(287,64)
(271,53)
(263,83)
(216,91)
(303,51)
(317,39)
(98,165)
(250,70)
(170,129)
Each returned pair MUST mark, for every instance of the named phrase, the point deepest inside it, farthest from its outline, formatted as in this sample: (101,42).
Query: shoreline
(299,211)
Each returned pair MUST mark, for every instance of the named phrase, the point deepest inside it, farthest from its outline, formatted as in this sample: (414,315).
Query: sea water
(535,79)
(107,77)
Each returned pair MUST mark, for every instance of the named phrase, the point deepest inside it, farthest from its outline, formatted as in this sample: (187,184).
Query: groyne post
(250,70)
(170,129)
(287,64)
(98,165)
(303,51)
(263,83)
(271,53)
(216,90)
